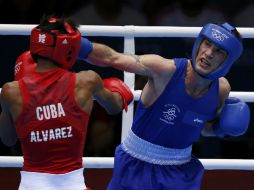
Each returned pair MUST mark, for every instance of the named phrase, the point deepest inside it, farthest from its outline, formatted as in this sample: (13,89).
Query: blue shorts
(133,174)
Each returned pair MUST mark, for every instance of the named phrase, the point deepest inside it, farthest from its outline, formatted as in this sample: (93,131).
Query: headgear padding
(61,48)
(222,37)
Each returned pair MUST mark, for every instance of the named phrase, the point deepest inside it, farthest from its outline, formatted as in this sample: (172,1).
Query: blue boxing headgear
(222,37)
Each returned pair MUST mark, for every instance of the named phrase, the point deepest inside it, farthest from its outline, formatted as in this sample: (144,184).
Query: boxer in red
(47,107)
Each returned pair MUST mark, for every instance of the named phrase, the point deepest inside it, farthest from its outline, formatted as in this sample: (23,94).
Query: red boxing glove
(24,65)
(116,85)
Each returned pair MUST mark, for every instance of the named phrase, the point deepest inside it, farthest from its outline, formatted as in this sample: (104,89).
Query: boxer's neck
(44,65)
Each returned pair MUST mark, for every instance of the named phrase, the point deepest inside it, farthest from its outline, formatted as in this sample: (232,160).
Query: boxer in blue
(182,99)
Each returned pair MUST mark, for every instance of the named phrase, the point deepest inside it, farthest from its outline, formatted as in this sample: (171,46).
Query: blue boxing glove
(234,118)
(85,49)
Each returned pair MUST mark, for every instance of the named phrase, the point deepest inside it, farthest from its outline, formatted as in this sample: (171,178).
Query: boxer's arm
(116,85)
(224,90)
(146,65)
(111,101)
(7,129)
(234,119)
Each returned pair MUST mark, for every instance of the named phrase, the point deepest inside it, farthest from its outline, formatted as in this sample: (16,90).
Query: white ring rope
(244,96)
(108,162)
(129,33)
(117,31)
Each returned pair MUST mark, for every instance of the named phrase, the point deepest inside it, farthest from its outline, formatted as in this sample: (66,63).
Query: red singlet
(52,127)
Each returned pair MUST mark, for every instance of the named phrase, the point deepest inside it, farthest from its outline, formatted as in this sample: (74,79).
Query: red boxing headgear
(61,48)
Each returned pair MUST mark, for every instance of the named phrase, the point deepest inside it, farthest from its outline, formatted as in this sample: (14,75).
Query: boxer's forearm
(102,55)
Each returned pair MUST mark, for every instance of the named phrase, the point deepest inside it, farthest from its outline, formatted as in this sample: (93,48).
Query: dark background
(104,131)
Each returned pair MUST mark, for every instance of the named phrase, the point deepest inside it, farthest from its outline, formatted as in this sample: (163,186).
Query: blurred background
(104,132)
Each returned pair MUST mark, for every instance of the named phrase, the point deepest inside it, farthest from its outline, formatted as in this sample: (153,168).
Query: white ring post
(129,79)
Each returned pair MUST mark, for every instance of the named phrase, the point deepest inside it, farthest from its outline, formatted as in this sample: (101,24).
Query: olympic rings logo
(218,35)
(170,113)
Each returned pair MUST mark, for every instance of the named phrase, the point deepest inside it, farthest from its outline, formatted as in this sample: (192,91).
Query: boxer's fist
(116,85)
(234,118)
(24,65)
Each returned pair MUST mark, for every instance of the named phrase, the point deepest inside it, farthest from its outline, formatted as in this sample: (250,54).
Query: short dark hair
(46,26)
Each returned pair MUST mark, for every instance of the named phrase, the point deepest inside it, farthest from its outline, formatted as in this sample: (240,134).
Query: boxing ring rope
(108,162)
(129,33)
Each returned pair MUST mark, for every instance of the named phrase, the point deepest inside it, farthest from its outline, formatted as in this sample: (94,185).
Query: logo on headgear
(65,41)
(42,38)
(218,35)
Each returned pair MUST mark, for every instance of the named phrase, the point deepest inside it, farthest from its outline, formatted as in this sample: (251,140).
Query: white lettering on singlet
(51,134)
(49,112)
